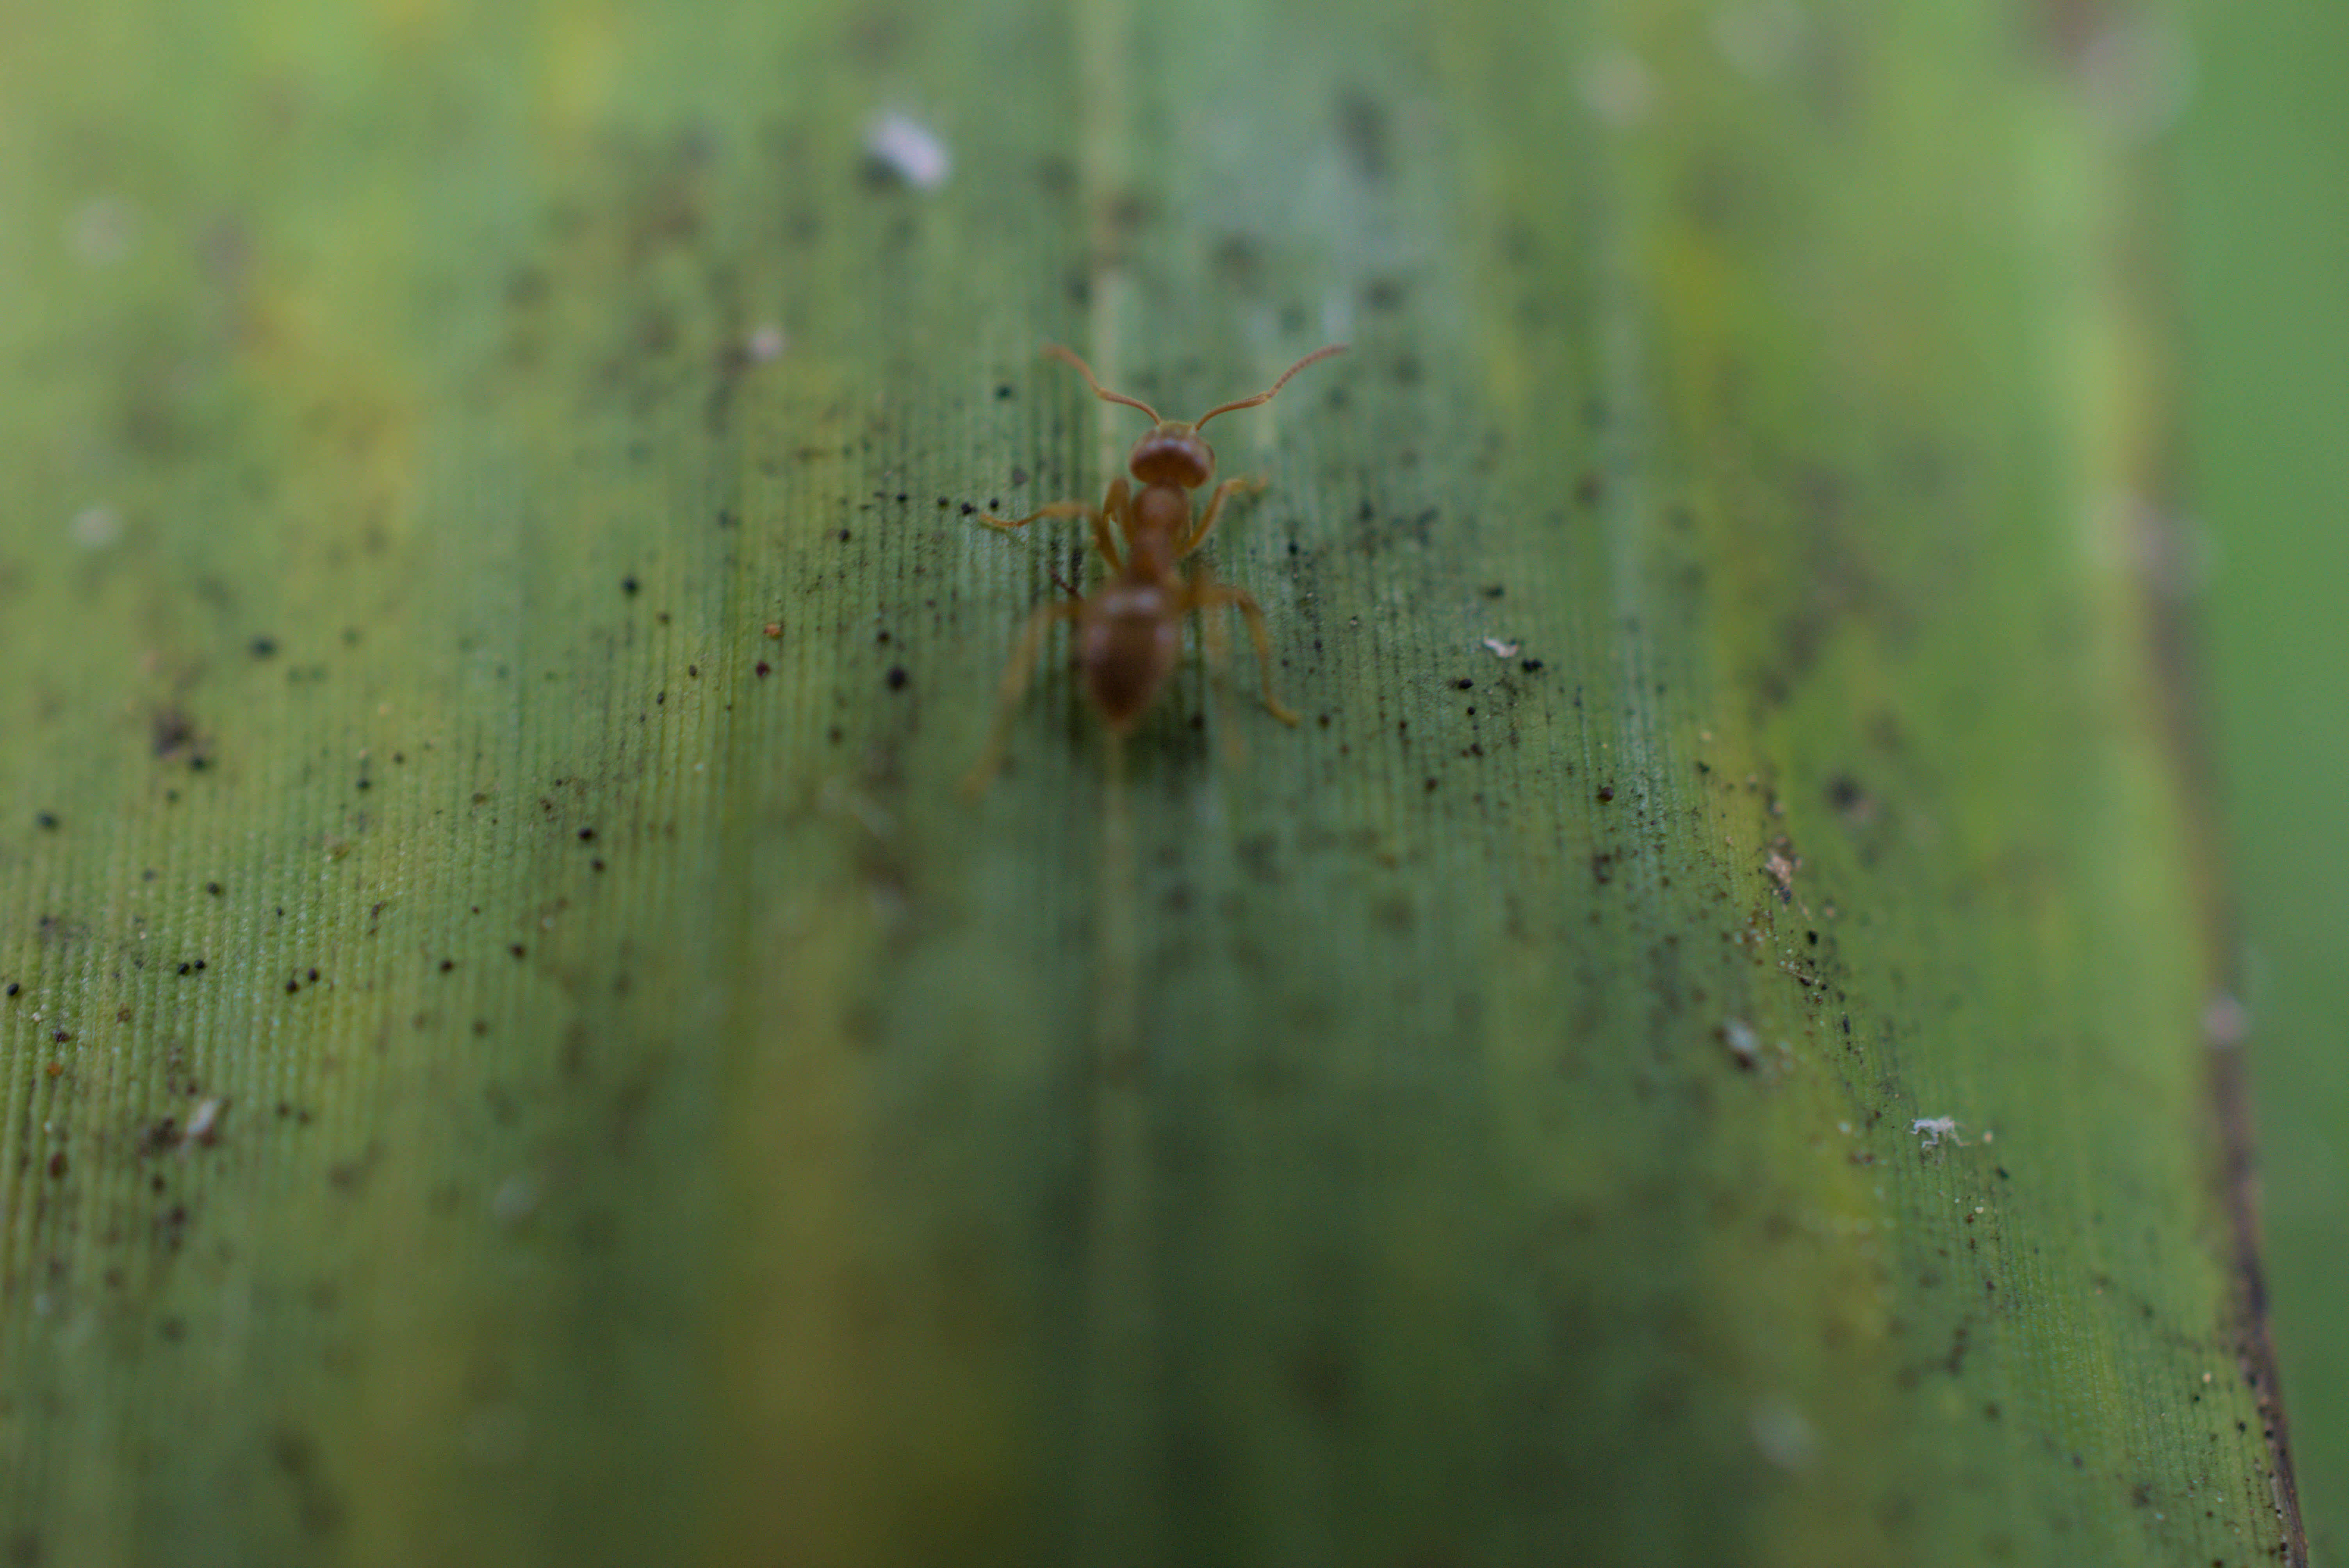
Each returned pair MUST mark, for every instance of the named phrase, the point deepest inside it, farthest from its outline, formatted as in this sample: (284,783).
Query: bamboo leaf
(1693,1052)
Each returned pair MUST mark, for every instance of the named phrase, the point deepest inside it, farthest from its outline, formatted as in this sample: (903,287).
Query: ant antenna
(1054,351)
(1265,395)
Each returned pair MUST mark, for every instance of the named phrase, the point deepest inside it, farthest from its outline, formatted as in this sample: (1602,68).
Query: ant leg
(1113,507)
(1212,643)
(1058,509)
(1111,518)
(1247,485)
(1210,594)
(1015,685)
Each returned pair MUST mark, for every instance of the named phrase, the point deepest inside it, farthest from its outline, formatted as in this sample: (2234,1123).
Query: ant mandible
(1130,633)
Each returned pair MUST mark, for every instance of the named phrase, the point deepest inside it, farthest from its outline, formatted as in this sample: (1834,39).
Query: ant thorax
(1161,509)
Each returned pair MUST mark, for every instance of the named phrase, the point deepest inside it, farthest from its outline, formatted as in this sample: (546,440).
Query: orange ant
(1130,633)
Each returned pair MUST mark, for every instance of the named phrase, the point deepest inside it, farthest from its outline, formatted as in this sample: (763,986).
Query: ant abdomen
(1128,640)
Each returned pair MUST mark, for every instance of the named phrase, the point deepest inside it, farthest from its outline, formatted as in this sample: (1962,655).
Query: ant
(1130,633)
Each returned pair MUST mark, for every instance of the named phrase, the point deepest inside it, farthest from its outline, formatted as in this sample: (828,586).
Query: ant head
(1172,454)
(1175,453)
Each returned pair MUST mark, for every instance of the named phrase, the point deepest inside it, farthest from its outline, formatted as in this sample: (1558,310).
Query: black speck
(265,647)
(595,865)
(447,965)
(184,968)
(1495,590)
(1531,667)
(896,677)
(1465,684)
(363,784)
(1003,392)
(763,670)
(694,671)
(1814,937)
(967,508)
(200,966)
(13,987)
(1431,786)
(518,950)
(587,835)
(313,976)
(47,820)
(844,536)
(292,987)
(213,889)
(58,1163)
(629,585)
(900,498)
(1606,793)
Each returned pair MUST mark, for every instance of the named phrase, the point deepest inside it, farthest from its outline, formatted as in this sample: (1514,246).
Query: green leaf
(1693,1052)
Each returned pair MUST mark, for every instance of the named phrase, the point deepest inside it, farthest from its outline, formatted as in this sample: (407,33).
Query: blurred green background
(2263,158)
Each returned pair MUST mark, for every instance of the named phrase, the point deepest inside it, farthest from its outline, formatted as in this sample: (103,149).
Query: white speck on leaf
(516,1200)
(95,527)
(1935,1130)
(203,1126)
(1616,87)
(909,149)
(1783,1434)
(102,231)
